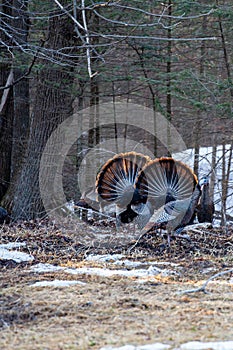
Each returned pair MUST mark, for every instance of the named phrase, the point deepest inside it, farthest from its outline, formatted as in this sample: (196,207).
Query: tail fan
(115,181)
(164,180)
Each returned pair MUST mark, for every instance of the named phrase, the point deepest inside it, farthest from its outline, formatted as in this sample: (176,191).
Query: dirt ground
(114,310)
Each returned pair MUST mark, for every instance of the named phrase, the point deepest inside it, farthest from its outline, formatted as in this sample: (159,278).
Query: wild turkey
(172,193)
(205,207)
(115,184)
(175,215)
(4,216)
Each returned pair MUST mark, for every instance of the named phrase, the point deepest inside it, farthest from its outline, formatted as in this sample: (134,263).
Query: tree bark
(52,105)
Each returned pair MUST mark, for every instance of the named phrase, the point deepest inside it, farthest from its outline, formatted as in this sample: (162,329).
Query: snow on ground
(155,346)
(7,254)
(193,345)
(197,345)
(104,258)
(57,283)
(119,259)
(103,271)
(12,245)
(129,268)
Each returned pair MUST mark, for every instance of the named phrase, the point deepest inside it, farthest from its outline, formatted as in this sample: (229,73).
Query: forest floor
(115,309)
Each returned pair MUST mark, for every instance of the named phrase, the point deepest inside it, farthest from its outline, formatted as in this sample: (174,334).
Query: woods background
(61,57)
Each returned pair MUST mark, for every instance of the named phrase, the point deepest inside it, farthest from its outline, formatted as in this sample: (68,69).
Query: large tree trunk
(52,105)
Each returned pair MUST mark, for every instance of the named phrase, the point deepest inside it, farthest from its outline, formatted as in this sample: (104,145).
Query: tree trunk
(53,104)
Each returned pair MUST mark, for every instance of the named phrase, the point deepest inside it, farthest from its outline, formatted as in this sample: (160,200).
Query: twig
(12,82)
(7,89)
(203,287)
(134,245)
(91,75)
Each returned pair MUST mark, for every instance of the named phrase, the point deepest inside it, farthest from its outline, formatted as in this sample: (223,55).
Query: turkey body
(205,207)
(174,215)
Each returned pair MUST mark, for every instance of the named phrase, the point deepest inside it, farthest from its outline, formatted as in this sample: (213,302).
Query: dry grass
(116,310)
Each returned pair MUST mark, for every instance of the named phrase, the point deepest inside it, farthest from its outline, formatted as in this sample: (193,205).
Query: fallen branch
(203,287)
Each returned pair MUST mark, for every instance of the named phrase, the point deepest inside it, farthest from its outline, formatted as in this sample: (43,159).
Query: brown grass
(117,310)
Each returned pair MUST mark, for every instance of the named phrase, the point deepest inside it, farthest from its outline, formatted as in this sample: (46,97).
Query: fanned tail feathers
(116,179)
(164,180)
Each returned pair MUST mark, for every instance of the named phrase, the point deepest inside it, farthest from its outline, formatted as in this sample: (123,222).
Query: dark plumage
(4,216)
(115,183)
(174,215)
(205,207)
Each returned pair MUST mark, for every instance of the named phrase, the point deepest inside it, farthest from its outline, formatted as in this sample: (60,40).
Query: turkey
(174,215)
(115,183)
(205,207)
(4,216)
(172,193)
(165,179)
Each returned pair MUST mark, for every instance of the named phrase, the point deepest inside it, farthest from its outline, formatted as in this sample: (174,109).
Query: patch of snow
(16,256)
(208,269)
(117,259)
(198,226)
(125,347)
(56,283)
(197,345)
(104,272)
(155,346)
(46,268)
(107,272)
(12,245)
(104,258)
